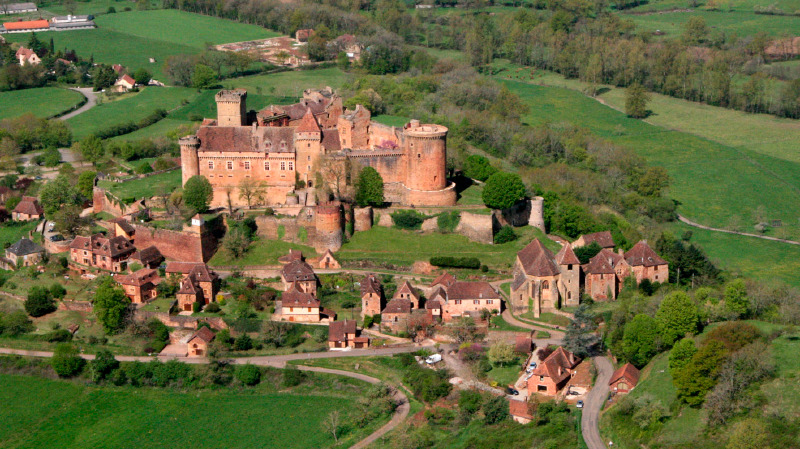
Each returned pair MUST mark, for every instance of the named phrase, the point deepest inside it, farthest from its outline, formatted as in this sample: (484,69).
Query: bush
(448,221)
(503,190)
(144,168)
(495,410)
(292,377)
(59,335)
(102,365)
(243,343)
(213,308)
(469,402)
(505,234)
(248,374)
(456,262)
(66,362)
(478,167)
(58,291)
(408,219)
(197,307)
(16,323)
(39,302)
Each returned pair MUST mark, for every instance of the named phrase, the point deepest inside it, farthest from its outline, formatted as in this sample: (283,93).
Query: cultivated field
(42,102)
(56,414)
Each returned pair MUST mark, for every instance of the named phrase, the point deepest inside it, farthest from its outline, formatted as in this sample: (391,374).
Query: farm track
(91,101)
(746,234)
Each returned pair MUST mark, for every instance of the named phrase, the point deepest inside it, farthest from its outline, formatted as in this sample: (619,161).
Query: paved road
(91,101)
(555,335)
(279,361)
(746,234)
(594,403)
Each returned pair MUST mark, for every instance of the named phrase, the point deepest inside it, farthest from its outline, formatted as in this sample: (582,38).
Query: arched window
(545,285)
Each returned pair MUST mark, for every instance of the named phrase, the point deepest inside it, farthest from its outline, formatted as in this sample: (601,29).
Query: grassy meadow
(131,107)
(287,84)
(741,23)
(56,414)
(145,187)
(261,252)
(42,102)
(723,5)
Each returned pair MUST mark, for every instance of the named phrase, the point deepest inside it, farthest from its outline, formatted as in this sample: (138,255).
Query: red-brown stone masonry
(173,245)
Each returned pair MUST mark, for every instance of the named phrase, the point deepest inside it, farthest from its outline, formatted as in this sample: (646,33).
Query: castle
(281,145)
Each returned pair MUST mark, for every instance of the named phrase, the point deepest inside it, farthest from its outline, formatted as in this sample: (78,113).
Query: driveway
(593,403)
(91,101)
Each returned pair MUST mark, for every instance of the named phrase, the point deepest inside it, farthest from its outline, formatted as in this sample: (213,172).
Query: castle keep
(281,144)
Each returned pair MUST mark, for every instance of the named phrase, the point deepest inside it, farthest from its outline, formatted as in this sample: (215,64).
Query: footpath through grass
(43,102)
(40,413)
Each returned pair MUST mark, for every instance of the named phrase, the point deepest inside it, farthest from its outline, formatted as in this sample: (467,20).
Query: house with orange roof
(372,299)
(624,379)
(553,373)
(604,239)
(124,83)
(328,261)
(451,299)
(646,264)
(344,334)
(519,411)
(198,343)
(297,270)
(198,284)
(604,274)
(141,285)
(545,280)
(28,209)
(299,306)
(97,251)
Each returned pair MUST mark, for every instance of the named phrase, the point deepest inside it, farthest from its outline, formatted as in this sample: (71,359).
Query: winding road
(91,101)
(279,361)
(590,420)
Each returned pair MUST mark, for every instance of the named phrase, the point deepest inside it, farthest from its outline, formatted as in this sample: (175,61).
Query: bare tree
(331,424)
(250,190)
(334,172)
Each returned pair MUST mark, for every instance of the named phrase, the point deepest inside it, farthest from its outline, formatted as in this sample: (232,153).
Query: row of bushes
(129,127)
(456,262)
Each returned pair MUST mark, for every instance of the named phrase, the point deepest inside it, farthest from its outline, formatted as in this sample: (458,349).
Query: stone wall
(179,320)
(476,227)
(529,212)
(104,201)
(176,245)
(75,306)
(363,219)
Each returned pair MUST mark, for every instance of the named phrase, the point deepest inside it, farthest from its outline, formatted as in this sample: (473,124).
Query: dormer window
(268,144)
(283,145)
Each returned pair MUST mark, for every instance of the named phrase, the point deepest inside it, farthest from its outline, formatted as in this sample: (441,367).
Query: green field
(288,84)
(159,129)
(41,413)
(204,105)
(132,38)
(261,252)
(94,7)
(788,6)
(145,187)
(11,231)
(739,22)
(133,107)
(43,102)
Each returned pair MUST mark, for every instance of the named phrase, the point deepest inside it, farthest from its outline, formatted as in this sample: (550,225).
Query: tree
(85,184)
(203,77)
(586,252)
(66,361)
(91,148)
(16,323)
(501,353)
(250,190)
(695,31)
(636,99)
(40,302)
(179,69)
(248,374)
(102,365)
(653,181)
(495,410)
(735,297)
(142,76)
(505,234)
(681,354)
(331,424)
(640,340)
(580,337)
(236,242)
(103,76)
(56,194)
(68,220)
(58,291)
(677,317)
(110,305)
(369,188)
(197,193)
(469,402)
(749,433)
(478,167)
(503,190)
(698,377)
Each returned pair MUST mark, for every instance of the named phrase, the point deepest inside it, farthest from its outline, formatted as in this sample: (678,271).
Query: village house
(299,306)
(124,84)
(303,35)
(646,264)
(624,379)
(396,314)
(545,281)
(198,343)
(344,334)
(26,56)
(328,262)
(299,271)
(519,411)
(23,253)
(372,299)
(604,274)
(406,291)
(27,209)
(550,376)
(604,239)
(198,283)
(140,286)
(149,257)
(97,251)
(123,228)
(460,299)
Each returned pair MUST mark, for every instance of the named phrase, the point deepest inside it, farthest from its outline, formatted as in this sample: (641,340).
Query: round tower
(537,213)
(426,151)
(363,219)
(190,161)
(329,224)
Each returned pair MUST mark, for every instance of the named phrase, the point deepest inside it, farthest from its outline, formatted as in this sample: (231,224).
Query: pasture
(131,107)
(288,84)
(741,23)
(43,102)
(57,414)
(260,252)
(725,5)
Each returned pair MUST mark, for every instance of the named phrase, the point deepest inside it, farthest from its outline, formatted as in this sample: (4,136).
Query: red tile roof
(338,330)
(445,279)
(296,297)
(407,289)
(21,25)
(181,267)
(518,409)
(29,206)
(204,334)
(139,278)
(557,365)
(370,284)
(602,263)
(566,256)
(538,260)
(642,254)
(471,290)
(308,124)
(604,239)
(628,372)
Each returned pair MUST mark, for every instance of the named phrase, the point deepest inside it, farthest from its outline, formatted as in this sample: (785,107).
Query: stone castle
(280,145)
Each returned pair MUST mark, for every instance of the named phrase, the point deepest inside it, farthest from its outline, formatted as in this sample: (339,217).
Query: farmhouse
(604,274)
(105,253)
(372,299)
(26,56)
(25,26)
(553,373)
(297,305)
(198,283)
(344,334)
(70,22)
(548,281)
(459,298)
(124,84)
(646,264)
(27,209)
(282,144)
(198,343)
(299,271)
(149,257)
(624,379)
(24,253)
(140,286)
(17,8)
(396,313)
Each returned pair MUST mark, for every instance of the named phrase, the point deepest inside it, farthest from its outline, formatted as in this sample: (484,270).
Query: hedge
(456,262)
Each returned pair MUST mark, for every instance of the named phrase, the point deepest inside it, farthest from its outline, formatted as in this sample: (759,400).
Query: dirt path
(91,101)
(510,319)
(747,234)
(279,361)
(594,403)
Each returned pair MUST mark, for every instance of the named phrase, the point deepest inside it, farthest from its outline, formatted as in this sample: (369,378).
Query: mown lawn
(56,414)
(734,5)
(205,106)
(145,187)
(94,7)
(391,120)
(401,247)
(158,129)
(261,252)
(130,108)
(43,102)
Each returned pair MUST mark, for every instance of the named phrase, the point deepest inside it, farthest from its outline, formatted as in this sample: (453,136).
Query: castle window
(230,165)
(283,145)
(266,165)
(247,165)
(458,302)
(476,301)
(210,165)
(291,165)
(268,144)
(309,145)
(489,301)
(419,155)
(545,285)
(283,165)
(309,157)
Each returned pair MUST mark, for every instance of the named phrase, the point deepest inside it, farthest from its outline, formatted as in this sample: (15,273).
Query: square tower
(231,107)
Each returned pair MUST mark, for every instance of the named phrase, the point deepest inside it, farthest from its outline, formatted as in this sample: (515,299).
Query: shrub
(197,307)
(408,219)
(367,321)
(213,308)
(58,335)
(734,335)
(66,362)
(243,343)
(292,377)
(495,410)
(102,365)
(456,262)
(469,402)
(478,167)
(144,168)
(16,323)
(39,302)
(505,234)
(58,291)
(448,221)
(248,374)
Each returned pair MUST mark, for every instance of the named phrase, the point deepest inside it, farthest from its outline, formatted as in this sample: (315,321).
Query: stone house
(97,251)
(299,271)
(372,299)
(604,274)
(396,314)
(198,283)
(604,239)
(328,262)
(406,291)
(344,334)
(624,379)
(123,228)
(23,253)
(149,257)
(461,299)
(27,209)
(299,306)
(519,411)
(544,282)
(141,285)
(646,264)
(198,343)
(553,373)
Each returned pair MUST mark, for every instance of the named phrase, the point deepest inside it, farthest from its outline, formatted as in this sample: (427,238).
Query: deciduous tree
(640,341)
(369,188)
(677,317)
(110,305)
(503,190)
(197,193)
(636,99)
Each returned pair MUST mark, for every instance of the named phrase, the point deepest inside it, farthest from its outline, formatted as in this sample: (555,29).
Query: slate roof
(23,247)
(338,330)
(537,260)
(124,225)
(642,254)
(97,244)
(148,256)
(296,297)
(298,270)
(628,372)
(30,206)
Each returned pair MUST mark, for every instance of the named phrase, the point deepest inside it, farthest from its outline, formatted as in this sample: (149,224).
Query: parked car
(579,404)
(56,238)
(512,391)
(433,359)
